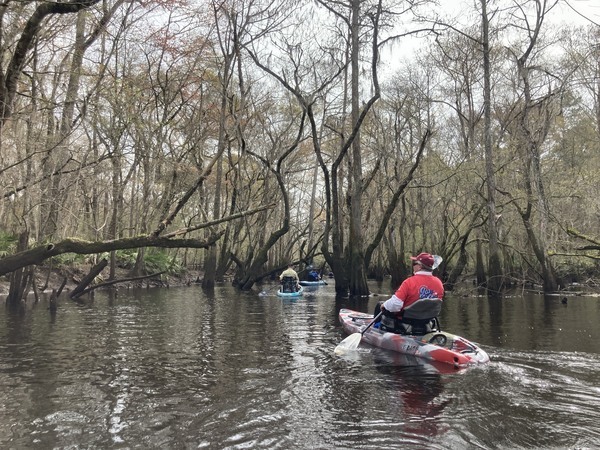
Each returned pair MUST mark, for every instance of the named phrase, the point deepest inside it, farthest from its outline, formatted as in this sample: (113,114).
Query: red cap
(425,259)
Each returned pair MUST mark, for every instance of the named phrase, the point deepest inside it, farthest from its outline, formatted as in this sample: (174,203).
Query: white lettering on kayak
(410,349)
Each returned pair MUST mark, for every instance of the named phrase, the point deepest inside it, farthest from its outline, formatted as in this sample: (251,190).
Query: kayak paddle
(352,341)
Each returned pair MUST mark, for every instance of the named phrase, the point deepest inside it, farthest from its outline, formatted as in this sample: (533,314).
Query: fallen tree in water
(38,255)
(21,263)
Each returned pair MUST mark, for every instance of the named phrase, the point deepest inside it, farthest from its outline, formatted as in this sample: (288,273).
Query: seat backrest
(425,308)
(289,284)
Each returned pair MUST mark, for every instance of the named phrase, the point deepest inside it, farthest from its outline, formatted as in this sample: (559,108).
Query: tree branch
(39,254)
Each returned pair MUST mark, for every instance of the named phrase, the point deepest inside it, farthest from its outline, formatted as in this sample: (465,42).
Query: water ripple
(188,369)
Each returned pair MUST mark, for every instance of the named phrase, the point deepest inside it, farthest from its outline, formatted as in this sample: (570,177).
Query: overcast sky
(567,12)
(579,10)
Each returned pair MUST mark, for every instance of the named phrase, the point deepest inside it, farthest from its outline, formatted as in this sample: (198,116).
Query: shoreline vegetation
(64,281)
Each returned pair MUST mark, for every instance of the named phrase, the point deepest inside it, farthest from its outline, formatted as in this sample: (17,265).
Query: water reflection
(178,368)
(418,387)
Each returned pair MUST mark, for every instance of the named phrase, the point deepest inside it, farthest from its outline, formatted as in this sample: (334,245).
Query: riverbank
(48,280)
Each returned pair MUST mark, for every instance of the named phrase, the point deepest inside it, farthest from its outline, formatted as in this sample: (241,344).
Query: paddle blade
(348,344)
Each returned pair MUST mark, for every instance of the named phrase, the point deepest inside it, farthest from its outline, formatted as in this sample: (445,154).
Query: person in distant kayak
(423,284)
(289,272)
(289,277)
(313,275)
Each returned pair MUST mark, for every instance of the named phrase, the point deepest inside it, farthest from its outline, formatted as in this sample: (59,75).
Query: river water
(180,368)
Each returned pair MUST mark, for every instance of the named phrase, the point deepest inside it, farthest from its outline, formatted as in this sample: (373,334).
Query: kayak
(439,346)
(298,293)
(312,283)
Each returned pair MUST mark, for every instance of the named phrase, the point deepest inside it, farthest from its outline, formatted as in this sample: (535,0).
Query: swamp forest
(239,136)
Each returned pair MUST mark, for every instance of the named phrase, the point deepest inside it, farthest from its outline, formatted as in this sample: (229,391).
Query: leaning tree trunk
(391,208)
(252,270)
(32,28)
(549,279)
(91,276)
(459,266)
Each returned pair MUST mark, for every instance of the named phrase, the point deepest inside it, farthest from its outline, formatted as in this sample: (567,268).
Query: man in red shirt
(423,284)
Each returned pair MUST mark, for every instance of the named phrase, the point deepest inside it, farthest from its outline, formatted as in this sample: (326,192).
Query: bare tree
(534,115)
(9,78)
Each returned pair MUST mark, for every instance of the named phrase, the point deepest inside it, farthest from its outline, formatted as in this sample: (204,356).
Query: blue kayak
(298,293)
(312,283)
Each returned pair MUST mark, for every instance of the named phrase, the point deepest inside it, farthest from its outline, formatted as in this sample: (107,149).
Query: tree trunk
(94,272)
(496,276)
(32,28)
(479,266)
(311,222)
(18,277)
(396,259)
(459,266)
(210,261)
(357,273)
(534,123)
(39,254)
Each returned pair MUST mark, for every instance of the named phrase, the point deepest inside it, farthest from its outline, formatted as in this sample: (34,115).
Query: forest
(238,136)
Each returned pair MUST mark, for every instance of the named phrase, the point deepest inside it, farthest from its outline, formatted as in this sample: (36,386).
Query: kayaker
(313,275)
(423,284)
(290,274)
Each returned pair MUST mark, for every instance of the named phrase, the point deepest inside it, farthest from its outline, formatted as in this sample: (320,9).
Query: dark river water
(180,368)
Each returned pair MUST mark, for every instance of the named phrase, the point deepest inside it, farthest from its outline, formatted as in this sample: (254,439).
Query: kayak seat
(418,319)
(289,284)
(425,308)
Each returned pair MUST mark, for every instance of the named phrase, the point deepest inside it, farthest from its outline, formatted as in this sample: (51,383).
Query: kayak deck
(438,346)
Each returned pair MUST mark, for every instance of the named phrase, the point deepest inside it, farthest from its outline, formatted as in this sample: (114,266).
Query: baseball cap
(425,259)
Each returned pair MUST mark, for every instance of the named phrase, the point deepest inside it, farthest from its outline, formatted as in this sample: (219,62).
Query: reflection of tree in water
(418,385)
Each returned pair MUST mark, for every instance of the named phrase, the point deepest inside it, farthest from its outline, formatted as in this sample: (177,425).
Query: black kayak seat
(423,309)
(289,284)
(417,319)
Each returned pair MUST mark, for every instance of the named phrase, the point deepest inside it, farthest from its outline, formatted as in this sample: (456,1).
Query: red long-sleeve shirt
(422,284)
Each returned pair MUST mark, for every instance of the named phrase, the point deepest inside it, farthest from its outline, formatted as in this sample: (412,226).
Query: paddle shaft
(372,322)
